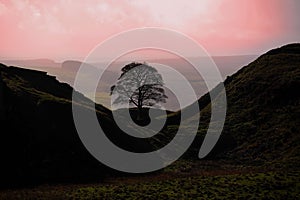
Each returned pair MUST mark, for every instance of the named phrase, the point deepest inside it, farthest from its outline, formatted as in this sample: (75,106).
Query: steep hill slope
(39,142)
(38,138)
(263,113)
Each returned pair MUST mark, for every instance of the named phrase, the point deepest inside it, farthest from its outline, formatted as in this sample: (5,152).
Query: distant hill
(31,63)
(227,65)
(72,65)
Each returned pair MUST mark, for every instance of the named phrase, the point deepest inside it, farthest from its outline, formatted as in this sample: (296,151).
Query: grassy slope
(39,142)
(263,111)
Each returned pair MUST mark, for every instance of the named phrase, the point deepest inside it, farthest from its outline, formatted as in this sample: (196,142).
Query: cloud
(71,28)
(3,8)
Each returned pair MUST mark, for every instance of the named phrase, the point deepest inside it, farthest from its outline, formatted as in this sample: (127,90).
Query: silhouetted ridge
(287,49)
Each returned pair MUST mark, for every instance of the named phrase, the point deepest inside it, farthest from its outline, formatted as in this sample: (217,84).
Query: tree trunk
(139,113)
(140,106)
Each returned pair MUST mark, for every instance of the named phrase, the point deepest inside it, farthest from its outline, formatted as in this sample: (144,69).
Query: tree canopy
(139,85)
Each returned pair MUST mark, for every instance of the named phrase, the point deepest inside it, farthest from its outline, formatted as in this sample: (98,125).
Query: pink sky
(65,29)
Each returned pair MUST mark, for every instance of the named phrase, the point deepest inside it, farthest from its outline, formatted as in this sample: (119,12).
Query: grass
(269,185)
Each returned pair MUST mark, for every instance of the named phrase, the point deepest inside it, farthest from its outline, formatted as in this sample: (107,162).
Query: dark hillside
(263,113)
(39,142)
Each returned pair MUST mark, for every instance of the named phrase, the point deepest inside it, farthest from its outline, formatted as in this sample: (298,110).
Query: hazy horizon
(104,60)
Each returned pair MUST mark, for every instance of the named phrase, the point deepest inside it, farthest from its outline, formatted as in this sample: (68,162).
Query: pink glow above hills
(64,29)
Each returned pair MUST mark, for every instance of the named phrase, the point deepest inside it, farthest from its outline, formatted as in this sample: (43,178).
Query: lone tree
(139,85)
